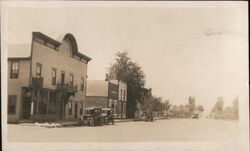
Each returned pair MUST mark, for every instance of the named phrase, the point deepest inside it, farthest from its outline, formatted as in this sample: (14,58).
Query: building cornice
(19,58)
(56,43)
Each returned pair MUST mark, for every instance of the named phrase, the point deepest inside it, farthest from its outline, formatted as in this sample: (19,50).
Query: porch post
(38,100)
(121,110)
(32,103)
(32,108)
(63,112)
(48,102)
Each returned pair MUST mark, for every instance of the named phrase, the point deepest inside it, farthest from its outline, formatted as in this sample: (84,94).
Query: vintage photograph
(125,75)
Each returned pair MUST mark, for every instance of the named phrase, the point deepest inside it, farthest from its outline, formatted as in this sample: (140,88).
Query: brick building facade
(108,93)
(49,83)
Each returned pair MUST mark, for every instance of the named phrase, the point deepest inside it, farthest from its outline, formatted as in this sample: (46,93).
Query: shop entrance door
(76,110)
(26,107)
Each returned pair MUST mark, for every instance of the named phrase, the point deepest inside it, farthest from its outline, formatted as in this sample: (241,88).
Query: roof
(19,51)
(47,38)
(67,36)
(108,109)
(24,50)
(97,88)
(91,108)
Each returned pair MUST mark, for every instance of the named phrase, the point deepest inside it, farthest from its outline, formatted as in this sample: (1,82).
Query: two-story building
(108,93)
(49,83)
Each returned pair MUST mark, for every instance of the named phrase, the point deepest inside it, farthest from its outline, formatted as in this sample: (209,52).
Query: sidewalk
(50,124)
(75,123)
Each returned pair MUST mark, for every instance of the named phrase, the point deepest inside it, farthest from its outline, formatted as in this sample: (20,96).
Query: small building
(108,93)
(49,82)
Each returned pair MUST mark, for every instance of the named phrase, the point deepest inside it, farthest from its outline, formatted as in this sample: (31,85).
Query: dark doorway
(76,110)
(62,77)
(62,108)
(26,107)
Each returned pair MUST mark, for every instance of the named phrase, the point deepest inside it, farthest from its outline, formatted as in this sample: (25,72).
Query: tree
(200,108)
(158,105)
(191,104)
(148,103)
(126,70)
(218,107)
(235,107)
(167,105)
(228,113)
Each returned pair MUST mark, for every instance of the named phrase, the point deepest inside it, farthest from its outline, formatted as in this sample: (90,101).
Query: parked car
(108,115)
(195,116)
(148,117)
(92,116)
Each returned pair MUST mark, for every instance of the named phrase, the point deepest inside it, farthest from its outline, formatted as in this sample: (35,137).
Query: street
(160,130)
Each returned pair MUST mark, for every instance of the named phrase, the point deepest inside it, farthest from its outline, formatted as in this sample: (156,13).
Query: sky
(183,51)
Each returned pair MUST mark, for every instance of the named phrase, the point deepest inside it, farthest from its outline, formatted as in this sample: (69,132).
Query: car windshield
(88,111)
(97,111)
(105,111)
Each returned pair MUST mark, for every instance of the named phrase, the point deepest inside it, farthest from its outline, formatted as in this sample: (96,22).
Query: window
(82,84)
(116,108)
(62,77)
(38,70)
(81,108)
(70,108)
(12,104)
(110,103)
(71,79)
(124,93)
(53,78)
(121,94)
(14,69)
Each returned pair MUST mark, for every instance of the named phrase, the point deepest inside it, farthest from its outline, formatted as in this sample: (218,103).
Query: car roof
(106,108)
(91,108)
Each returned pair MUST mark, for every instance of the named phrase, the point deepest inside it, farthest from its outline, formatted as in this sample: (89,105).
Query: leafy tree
(230,112)
(200,108)
(147,104)
(158,105)
(227,113)
(191,104)
(235,107)
(167,105)
(126,70)
(218,107)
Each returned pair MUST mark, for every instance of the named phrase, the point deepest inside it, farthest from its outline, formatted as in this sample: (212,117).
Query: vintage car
(195,116)
(108,115)
(92,116)
(148,117)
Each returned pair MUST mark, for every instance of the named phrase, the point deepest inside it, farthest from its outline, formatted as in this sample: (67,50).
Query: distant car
(148,117)
(195,116)
(92,116)
(108,115)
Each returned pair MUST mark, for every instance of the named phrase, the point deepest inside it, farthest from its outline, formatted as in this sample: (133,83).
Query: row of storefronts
(108,94)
